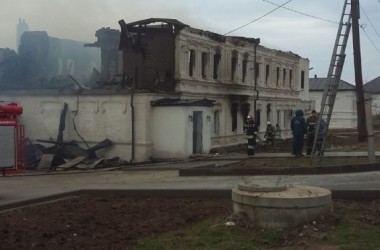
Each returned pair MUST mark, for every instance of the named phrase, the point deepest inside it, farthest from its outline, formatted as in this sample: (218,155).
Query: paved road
(15,189)
(22,188)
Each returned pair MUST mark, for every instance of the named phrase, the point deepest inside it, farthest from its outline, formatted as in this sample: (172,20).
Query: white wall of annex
(172,130)
(375,99)
(344,113)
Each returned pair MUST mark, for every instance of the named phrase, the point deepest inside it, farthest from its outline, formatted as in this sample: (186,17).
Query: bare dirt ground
(103,222)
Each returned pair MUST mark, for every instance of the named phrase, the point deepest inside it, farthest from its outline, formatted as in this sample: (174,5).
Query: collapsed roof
(174,25)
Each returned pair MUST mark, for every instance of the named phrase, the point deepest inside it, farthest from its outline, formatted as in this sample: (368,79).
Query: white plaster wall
(344,113)
(172,131)
(170,128)
(96,117)
(143,119)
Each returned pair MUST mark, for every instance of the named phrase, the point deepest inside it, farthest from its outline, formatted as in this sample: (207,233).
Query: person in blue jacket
(298,126)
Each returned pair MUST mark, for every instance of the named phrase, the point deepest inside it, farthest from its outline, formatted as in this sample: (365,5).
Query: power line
(301,13)
(370,20)
(257,19)
(361,26)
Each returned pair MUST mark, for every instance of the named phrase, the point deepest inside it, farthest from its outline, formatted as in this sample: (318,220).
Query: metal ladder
(331,84)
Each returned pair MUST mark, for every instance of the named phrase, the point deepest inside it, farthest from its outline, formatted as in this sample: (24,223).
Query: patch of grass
(351,233)
(342,230)
(298,162)
(208,234)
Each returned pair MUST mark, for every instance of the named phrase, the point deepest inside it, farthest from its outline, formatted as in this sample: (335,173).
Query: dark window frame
(244,69)
(290,77)
(191,62)
(234,116)
(278,76)
(204,64)
(302,79)
(217,60)
(257,118)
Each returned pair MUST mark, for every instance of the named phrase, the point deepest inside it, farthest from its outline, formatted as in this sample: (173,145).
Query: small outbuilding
(344,113)
(373,88)
(181,127)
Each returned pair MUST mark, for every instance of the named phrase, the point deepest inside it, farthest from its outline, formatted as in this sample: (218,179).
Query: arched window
(217,60)
(234,64)
(245,65)
(191,62)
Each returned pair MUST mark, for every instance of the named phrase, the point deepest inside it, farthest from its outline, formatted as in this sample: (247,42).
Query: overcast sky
(309,37)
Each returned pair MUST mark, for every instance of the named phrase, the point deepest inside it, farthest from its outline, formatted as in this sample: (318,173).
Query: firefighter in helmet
(311,124)
(270,133)
(251,131)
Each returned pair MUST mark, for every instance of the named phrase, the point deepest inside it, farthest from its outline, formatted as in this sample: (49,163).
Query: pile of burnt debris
(67,155)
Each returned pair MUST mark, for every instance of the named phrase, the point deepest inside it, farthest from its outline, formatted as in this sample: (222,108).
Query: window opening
(191,62)
(217,58)
(233,67)
(257,118)
(234,112)
(245,62)
(290,77)
(267,71)
(216,122)
(204,64)
(278,75)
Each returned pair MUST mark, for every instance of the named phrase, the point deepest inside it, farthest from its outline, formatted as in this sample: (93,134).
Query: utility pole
(256,43)
(362,133)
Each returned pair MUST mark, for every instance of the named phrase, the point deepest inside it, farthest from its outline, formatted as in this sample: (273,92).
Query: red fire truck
(12,137)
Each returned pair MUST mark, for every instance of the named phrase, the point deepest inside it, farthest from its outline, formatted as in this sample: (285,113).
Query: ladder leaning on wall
(331,84)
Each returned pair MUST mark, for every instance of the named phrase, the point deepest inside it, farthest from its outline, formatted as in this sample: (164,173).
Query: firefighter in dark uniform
(320,135)
(251,130)
(298,126)
(311,124)
(270,133)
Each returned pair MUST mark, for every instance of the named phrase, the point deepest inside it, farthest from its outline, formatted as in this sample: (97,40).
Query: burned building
(47,57)
(22,27)
(10,65)
(236,73)
(184,91)
(42,61)
(149,52)
(111,61)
